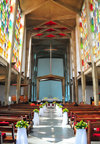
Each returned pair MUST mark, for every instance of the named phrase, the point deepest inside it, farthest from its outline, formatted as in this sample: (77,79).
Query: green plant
(22,124)
(54,102)
(41,106)
(55,98)
(65,110)
(81,125)
(60,106)
(36,110)
(46,102)
(57,104)
(45,98)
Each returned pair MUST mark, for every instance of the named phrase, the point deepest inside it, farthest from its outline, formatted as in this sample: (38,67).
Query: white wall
(89,93)
(2,92)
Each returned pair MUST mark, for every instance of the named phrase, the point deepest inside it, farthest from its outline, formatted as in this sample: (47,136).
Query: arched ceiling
(49,21)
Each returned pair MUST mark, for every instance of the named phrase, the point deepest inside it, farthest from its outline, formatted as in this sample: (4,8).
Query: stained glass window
(17,50)
(6,27)
(95,27)
(84,40)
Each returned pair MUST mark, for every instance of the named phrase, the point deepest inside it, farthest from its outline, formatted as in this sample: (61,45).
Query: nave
(50,130)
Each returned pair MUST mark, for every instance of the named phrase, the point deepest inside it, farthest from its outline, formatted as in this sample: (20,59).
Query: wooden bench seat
(8,138)
(93,135)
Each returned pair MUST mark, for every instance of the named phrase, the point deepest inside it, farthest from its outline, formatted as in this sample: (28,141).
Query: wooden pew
(8,138)
(75,114)
(93,135)
(10,116)
(1,138)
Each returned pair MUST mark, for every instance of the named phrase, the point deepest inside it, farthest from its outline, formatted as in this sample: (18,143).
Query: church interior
(49,71)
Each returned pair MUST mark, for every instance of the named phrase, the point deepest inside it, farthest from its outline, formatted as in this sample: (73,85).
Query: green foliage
(65,110)
(55,98)
(54,102)
(57,104)
(36,110)
(60,106)
(46,102)
(81,125)
(22,124)
(45,98)
(41,106)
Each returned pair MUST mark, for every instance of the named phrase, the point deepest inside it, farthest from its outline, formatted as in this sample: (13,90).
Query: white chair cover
(36,118)
(21,136)
(81,136)
(41,112)
(65,118)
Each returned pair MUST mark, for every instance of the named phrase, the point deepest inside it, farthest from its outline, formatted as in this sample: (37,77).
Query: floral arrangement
(54,102)
(36,110)
(57,104)
(55,98)
(22,124)
(81,125)
(60,106)
(41,106)
(46,102)
(45,98)
(65,110)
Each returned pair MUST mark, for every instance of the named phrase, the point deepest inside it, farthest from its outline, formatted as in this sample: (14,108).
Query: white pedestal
(21,136)
(60,112)
(41,112)
(65,118)
(81,136)
(44,108)
(36,118)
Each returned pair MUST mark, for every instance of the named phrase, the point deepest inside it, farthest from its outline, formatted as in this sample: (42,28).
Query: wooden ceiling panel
(33,23)
(28,6)
(50,10)
(74,5)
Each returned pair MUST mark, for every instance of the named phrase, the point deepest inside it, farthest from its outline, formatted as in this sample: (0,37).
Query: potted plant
(41,113)
(36,111)
(21,132)
(81,136)
(36,117)
(65,116)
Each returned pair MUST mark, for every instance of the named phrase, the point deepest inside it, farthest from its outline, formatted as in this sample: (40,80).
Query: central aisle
(50,131)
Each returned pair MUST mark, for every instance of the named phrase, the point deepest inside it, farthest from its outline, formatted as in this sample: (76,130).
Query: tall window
(17,50)
(7,8)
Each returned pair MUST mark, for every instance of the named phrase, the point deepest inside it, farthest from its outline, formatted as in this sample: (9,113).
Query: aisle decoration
(21,132)
(44,107)
(60,110)
(65,116)
(41,112)
(81,136)
(36,117)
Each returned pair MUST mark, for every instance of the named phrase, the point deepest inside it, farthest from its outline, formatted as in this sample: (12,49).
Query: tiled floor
(50,131)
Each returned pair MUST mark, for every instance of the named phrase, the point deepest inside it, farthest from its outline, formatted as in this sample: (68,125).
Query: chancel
(49,71)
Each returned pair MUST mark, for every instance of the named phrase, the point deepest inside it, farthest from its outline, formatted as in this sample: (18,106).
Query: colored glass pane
(95,27)
(18,39)
(6,27)
(84,40)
